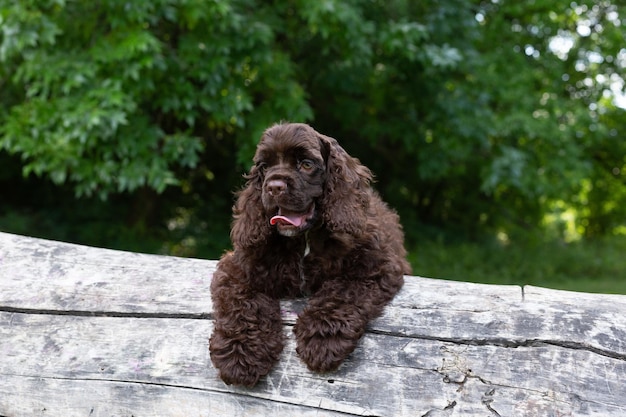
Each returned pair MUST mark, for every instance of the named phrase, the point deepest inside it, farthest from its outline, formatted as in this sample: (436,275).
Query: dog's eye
(261,166)
(306,165)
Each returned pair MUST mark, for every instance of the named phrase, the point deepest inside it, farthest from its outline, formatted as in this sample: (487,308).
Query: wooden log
(95,332)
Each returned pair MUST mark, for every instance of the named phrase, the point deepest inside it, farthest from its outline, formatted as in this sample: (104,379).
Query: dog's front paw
(235,372)
(243,362)
(323,343)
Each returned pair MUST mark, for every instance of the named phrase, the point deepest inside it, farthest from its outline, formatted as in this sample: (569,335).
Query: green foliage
(115,95)
(552,103)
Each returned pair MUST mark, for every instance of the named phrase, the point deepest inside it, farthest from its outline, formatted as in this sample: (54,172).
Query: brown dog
(306,223)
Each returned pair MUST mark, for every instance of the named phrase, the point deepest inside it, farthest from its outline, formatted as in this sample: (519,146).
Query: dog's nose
(276,187)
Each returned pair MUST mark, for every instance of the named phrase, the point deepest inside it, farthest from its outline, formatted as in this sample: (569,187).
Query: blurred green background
(495,128)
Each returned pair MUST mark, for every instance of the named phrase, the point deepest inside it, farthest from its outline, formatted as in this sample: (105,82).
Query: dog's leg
(335,318)
(247,339)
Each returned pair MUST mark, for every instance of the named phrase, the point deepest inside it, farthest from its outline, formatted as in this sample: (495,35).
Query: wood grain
(94,332)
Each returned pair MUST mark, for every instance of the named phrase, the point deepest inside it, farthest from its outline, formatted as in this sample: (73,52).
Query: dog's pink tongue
(292,220)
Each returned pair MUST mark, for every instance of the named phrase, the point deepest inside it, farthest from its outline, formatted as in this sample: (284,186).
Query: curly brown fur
(307,223)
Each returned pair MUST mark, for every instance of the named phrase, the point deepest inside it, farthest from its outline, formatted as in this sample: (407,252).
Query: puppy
(307,223)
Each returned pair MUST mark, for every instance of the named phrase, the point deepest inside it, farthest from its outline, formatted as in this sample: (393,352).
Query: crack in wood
(499,342)
(509,343)
(244,394)
(584,346)
(487,399)
(119,314)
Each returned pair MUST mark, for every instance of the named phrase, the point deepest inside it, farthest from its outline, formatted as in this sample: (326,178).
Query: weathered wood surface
(95,332)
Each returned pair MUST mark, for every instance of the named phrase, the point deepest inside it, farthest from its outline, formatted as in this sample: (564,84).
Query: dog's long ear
(346,195)
(250,225)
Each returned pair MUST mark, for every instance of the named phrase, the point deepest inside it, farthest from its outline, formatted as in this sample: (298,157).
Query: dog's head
(300,180)
(292,164)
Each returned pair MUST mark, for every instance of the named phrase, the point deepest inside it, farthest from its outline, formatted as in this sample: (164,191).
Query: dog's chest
(304,288)
(312,260)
